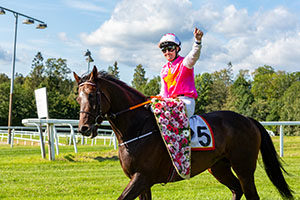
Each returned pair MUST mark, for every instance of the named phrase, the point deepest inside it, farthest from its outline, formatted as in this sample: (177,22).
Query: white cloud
(250,41)
(282,53)
(5,55)
(234,23)
(275,21)
(62,36)
(135,27)
(131,34)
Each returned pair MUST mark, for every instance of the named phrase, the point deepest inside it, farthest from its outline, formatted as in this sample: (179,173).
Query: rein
(110,115)
(113,115)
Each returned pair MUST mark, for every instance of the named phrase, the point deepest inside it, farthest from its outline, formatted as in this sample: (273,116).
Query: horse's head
(93,103)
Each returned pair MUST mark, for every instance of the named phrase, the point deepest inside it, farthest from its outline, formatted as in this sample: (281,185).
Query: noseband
(99,93)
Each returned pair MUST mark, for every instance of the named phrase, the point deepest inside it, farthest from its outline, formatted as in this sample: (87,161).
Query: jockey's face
(170,52)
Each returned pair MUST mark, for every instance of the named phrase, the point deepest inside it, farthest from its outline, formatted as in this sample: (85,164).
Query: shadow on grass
(101,159)
(70,157)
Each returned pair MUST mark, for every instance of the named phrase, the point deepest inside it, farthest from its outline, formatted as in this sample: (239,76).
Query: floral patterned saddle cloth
(175,129)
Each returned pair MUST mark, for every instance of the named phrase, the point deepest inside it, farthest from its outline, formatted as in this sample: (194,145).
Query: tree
(203,86)
(240,98)
(268,87)
(152,88)
(36,76)
(262,82)
(56,73)
(221,80)
(290,111)
(4,99)
(139,80)
(114,70)
(4,78)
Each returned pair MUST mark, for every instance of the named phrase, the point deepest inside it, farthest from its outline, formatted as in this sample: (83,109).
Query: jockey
(177,75)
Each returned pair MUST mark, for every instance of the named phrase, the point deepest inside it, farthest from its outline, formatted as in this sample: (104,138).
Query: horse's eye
(91,95)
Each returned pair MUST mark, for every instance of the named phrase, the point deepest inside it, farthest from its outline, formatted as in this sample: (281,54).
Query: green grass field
(95,173)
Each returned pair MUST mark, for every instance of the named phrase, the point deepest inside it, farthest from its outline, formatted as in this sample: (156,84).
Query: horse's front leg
(146,195)
(138,186)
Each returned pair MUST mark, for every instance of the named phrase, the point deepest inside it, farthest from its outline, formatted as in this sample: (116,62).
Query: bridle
(109,115)
(99,114)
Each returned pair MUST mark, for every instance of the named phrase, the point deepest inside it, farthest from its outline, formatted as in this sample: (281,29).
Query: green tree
(262,80)
(23,106)
(19,79)
(4,99)
(221,80)
(4,78)
(53,75)
(36,76)
(152,88)
(290,111)
(240,98)
(56,73)
(114,70)
(268,87)
(139,80)
(203,85)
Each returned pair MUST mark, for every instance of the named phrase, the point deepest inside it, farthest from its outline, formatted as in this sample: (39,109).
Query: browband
(87,82)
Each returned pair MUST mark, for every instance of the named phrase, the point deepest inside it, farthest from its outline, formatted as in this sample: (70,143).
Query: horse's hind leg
(222,172)
(246,177)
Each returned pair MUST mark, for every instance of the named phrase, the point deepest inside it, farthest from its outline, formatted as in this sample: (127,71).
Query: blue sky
(248,33)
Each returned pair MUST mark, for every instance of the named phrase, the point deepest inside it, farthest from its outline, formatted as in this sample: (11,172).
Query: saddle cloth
(202,137)
(176,132)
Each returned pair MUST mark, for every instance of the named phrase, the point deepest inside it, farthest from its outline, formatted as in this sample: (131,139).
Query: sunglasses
(168,48)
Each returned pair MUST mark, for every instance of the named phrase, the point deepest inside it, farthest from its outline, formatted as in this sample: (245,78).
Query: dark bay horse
(144,157)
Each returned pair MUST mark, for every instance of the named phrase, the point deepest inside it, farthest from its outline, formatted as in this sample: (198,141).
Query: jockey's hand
(198,34)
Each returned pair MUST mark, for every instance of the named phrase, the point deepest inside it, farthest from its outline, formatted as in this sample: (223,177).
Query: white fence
(281,134)
(54,129)
(35,127)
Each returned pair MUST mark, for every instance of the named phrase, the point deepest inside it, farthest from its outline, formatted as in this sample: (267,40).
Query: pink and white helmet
(169,38)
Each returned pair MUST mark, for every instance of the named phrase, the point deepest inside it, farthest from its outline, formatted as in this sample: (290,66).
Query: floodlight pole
(89,58)
(12,79)
(16,14)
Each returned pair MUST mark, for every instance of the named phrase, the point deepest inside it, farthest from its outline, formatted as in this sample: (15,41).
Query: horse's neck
(132,123)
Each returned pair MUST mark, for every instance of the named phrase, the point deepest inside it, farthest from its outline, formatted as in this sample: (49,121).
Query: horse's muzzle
(88,130)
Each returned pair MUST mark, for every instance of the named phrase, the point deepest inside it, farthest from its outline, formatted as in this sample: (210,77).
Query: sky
(248,33)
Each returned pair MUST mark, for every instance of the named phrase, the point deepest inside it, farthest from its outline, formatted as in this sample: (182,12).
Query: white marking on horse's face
(83,97)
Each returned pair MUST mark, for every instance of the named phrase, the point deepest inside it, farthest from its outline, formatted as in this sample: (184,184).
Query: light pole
(89,58)
(28,20)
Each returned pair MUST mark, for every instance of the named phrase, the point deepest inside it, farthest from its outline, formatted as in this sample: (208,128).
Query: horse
(143,154)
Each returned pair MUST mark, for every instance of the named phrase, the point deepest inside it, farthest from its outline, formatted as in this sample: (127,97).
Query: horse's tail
(272,164)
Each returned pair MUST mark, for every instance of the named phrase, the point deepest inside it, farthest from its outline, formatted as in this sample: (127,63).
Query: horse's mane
(112,78)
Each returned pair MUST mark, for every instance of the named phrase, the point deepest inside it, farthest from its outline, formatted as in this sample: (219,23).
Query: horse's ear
(94,74)
(77,78)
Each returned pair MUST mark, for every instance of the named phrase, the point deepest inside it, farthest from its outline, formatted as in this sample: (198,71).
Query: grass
(95,173)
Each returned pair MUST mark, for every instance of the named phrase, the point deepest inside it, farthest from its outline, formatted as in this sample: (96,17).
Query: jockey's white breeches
(189,104)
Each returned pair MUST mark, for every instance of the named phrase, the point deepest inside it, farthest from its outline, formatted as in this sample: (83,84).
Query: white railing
(33,128)
(57,128)
(281,133)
